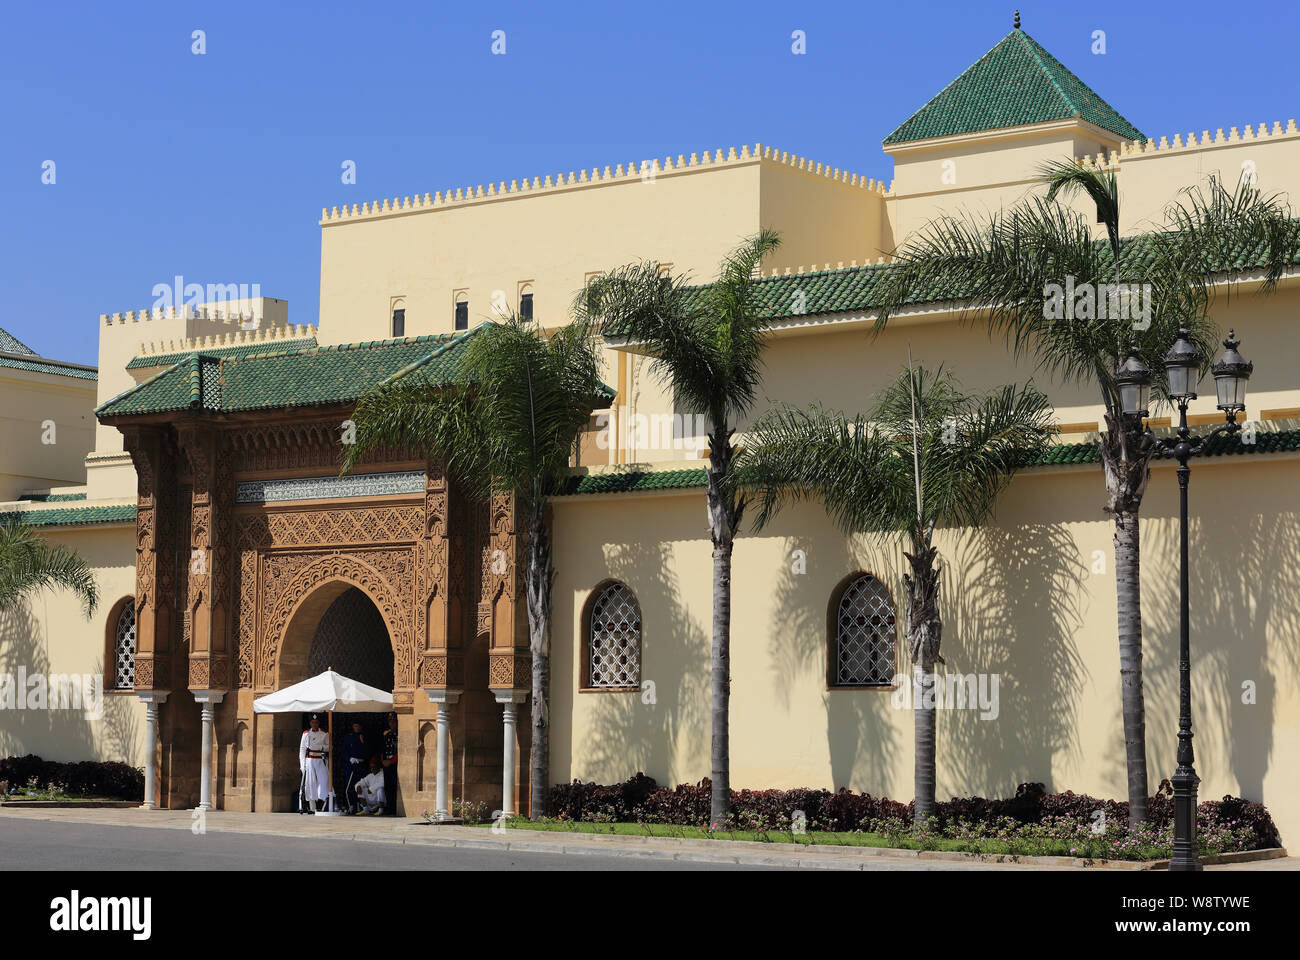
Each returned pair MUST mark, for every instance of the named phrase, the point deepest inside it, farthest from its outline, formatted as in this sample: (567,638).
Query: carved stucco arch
(288,635)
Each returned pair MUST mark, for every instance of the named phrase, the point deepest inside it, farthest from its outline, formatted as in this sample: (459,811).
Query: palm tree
(29,562)
(927,456)
(707,344)
(1000,269)
(509,424)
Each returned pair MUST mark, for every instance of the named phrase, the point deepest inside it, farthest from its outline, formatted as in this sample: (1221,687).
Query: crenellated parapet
(1236,136)
(228,338)
(644,170)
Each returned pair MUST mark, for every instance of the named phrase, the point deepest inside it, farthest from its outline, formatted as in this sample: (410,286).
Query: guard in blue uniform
(390,766)
(355,753)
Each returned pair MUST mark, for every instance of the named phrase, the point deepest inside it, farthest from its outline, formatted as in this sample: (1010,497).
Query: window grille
(864,634)
(124,648)
(615,639)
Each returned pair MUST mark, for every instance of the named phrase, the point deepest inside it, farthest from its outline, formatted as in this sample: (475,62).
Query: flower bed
(1031,823)
(86,778)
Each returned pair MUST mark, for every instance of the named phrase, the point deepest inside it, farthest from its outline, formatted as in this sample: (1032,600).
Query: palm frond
(29,562)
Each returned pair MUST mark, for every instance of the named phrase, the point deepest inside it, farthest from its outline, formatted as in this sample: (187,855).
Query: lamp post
(1133,379)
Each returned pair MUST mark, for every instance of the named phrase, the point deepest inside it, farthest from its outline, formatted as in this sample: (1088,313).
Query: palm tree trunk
(1126,458)
(722,527)
(540,576)
(1128,597)
(923,726)
(924,635)
(720,655)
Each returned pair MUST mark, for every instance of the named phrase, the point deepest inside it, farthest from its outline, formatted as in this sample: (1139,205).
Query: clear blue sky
(216,167)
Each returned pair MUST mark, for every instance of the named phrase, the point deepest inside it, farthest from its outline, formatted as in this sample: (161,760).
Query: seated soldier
(370,790)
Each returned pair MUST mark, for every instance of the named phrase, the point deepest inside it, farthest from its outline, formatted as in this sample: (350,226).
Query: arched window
(613,647)
(122,645)
(863,634)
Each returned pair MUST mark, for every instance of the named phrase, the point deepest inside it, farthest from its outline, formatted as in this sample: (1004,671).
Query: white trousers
(370,801)
(315,779)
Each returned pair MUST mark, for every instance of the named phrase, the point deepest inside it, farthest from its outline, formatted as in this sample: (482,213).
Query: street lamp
(1183,367)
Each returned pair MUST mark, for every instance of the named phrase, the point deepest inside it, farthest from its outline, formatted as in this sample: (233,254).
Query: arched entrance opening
(337,626)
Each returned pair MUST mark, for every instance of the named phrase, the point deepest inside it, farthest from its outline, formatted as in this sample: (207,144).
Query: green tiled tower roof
(1015,83)
(16,355)
(11,344)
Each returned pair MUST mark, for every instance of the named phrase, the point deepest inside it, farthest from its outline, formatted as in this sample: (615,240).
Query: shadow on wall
(66,732)
(1244,591)
(1012,603)
(862,740)
(639,731)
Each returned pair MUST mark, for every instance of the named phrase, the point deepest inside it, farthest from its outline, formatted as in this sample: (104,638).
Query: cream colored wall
(1151,179)
(124,336)
(1031,599)
(554,239)
(975,174)
(27,401)
(845,367)
(51,635)
(821,222)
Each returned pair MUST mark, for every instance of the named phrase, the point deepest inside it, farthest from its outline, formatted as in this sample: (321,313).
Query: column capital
(443,695)
(152,696)
(510,696)
(208,696)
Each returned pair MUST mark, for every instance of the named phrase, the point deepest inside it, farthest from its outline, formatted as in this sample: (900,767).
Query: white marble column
(508,700)
(206,699)
(151,699)
(444,699)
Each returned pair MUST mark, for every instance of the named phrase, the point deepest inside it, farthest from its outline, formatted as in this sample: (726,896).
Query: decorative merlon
(619,173)
(841,265)
(232,338)
(210,312)
(1234,136)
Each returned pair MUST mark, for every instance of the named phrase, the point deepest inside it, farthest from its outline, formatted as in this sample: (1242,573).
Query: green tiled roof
(297,377)
(72,516)
(16,355)
(302,377)
(1061,454)
(48,366)
(11,344)
(1015,83)
(857,289)
(229,353)
(639,480)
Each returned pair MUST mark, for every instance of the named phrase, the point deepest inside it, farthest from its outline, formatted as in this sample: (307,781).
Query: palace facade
(201,481)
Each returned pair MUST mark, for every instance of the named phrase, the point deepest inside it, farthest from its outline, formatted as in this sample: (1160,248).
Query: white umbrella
(326,691)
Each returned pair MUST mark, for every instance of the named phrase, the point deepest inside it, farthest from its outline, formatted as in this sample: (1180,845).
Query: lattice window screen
(864,635)
(124,648)
(615,656)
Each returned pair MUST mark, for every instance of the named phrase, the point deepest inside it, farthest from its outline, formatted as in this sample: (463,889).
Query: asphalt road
(45,845)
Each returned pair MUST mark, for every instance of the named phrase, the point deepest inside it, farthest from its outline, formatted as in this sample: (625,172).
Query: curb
(686,849)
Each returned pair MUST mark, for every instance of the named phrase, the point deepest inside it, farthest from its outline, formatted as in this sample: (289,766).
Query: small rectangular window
(462,315)
(526,306)
(399,322)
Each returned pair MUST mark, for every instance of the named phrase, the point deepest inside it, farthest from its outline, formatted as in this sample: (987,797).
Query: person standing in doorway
(354,763)
(390,765)
(313,750)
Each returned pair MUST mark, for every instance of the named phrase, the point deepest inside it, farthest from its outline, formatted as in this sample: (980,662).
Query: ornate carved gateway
(246,533)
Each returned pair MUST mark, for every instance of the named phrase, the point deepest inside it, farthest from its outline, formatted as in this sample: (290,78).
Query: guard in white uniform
(313,751)
(370,790)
